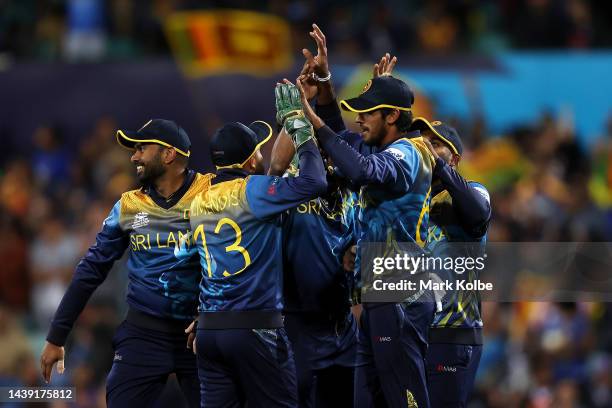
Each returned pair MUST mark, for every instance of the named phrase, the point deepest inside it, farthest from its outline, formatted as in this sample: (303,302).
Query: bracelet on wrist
(322,79)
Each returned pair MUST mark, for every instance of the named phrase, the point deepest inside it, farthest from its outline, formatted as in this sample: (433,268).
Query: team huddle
(247,285)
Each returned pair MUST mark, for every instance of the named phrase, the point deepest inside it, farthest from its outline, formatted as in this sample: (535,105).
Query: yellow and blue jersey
(394,182)
(162,264)
(455,232)
(389,214)
(237,227)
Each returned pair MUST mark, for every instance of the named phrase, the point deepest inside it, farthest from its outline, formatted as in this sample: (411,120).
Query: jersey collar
(167,203)
(229,174)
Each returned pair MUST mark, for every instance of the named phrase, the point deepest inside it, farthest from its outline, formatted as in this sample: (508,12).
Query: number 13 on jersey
(234,247)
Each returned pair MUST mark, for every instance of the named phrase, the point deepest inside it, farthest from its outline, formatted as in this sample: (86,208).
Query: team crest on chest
(141,219)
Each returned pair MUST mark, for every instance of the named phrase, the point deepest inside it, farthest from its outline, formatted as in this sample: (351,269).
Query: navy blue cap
(447,133)
(235,143)
(160,131)
(381,92)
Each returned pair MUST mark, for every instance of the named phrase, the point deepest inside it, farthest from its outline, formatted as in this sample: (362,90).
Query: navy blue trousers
(451,370)
(391,355)
(144,359)
(246,367)
(325,352)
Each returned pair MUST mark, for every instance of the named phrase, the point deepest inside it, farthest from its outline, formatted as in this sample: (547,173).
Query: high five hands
(385,66)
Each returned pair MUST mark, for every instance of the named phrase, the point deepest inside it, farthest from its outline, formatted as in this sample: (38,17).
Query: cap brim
(423,124)
(362,105)
(128,139)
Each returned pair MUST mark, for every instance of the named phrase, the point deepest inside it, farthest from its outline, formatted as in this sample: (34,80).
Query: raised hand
(309,113)
(309,82)
(384,66)
(288,101)
(430,148)
(317,64)
(290,113)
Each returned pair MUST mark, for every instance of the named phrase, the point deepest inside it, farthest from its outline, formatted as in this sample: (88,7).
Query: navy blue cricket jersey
(237,227)
(460,214)
(394,182)
(316,235)
(162,266)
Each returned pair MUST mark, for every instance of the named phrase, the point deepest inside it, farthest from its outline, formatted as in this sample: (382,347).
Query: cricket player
(244,356)
(393,167)
(317,290)
(459,217)
(152,223)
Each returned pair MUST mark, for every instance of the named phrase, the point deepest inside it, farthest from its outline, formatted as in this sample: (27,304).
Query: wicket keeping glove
(289,113)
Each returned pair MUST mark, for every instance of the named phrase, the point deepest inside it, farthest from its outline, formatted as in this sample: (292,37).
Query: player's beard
(375,136)
(152,170)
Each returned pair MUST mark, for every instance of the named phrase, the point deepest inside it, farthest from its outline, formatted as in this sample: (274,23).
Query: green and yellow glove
(289,113)
(288,102)
(300,130)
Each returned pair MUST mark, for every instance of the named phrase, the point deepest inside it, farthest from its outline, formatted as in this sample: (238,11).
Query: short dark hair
(403,122)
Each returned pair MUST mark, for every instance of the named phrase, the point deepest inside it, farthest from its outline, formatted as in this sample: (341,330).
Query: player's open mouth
(139,169)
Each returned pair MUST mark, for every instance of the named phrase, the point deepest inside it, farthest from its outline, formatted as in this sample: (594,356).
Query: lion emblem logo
(367,86)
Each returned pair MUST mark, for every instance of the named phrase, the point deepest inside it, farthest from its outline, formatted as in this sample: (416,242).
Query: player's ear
(252,163)
(455,160)
(392,117)
(169,155)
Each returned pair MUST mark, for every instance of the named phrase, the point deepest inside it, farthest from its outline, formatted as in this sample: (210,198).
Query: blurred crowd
(93,30)
(545,187)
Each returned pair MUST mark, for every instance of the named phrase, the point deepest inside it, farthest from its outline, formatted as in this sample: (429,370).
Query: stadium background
(527,84)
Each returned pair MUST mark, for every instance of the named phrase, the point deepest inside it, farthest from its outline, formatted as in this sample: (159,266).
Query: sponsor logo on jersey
(272,187)
(446,369)
(398,154)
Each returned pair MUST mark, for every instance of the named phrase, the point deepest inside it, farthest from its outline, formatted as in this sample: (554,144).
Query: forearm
(282,153)
(358,168)
(72,304)
(110,245)
(474,209)
(325,93)
(312,178)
